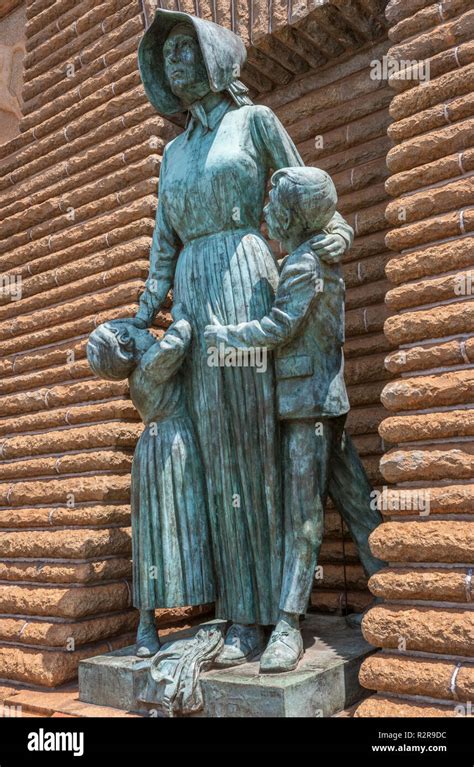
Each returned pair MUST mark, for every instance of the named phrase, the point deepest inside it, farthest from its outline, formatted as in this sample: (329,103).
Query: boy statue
(305,327)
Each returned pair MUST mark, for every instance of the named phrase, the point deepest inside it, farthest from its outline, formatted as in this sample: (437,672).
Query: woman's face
(184,66)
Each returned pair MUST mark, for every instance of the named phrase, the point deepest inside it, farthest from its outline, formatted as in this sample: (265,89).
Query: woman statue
(207,244)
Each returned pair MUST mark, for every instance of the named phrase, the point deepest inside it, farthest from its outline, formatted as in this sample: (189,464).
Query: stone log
(70,543)
(94,412)
(67,635)
(386,706)
(112,515)
(48,668)
(433,584)
(426,540)
(101,488)
(431,356)
(421,629)
(98,436)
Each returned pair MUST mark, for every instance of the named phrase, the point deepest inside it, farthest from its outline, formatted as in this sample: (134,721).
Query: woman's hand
(329,247)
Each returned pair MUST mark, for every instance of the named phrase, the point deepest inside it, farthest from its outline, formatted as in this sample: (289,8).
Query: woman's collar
(207,112)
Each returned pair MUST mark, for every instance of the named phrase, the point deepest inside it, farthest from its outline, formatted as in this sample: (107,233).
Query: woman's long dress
(211,195)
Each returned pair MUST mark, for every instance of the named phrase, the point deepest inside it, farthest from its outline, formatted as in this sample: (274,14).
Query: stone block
(326,680)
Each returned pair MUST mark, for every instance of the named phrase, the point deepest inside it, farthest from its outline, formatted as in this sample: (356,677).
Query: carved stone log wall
(77,201)
(426,622)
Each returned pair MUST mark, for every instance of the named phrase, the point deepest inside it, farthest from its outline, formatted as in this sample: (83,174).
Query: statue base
(325,682)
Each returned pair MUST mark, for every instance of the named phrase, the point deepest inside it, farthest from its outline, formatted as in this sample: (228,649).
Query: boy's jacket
(306,328)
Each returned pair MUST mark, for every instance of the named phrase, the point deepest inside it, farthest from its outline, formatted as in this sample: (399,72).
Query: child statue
(172,560)
(305,327)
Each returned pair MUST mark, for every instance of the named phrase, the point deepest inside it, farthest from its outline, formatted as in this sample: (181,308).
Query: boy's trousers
(319,459)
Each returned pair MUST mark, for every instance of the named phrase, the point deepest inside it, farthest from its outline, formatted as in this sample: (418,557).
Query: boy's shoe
(284,650)
(148,643)
(242,643)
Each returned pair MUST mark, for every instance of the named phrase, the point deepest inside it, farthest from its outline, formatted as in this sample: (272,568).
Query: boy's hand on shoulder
(329,247)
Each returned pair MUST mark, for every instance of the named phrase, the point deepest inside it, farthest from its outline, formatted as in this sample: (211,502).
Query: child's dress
(172,559)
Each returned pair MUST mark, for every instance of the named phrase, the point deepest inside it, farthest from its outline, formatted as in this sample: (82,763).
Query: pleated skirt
(233,276)
(171,551)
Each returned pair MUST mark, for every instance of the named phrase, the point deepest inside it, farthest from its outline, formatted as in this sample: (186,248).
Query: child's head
(302,201)
(114,348)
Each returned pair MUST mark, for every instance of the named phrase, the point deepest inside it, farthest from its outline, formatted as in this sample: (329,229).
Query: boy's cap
(309,193)
(304,176)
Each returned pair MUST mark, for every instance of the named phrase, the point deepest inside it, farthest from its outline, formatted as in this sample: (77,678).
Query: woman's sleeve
(164,252)
(273,142)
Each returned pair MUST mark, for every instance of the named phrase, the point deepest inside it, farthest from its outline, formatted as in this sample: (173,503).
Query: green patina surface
(253,444)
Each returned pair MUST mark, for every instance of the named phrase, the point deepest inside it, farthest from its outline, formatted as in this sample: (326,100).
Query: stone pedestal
(325,682)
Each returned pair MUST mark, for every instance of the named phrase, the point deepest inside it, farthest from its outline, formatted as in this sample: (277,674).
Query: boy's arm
(336,239)
(338,225)
(164,358)
(299,282)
